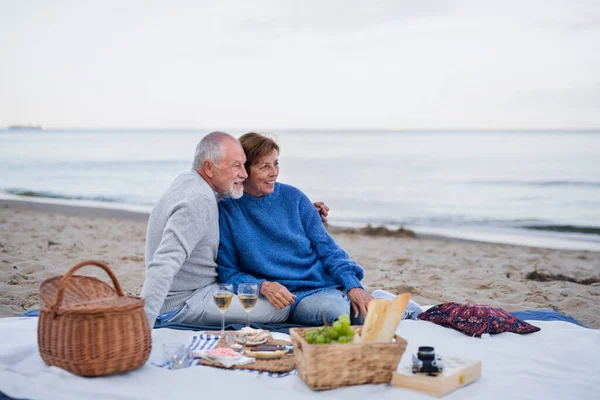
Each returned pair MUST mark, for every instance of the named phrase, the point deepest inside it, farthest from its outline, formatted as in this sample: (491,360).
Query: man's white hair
(211,148)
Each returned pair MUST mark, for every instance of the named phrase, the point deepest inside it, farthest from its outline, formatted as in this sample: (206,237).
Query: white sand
(38,243)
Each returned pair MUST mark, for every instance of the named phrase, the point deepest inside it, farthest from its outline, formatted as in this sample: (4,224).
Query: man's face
(230,172)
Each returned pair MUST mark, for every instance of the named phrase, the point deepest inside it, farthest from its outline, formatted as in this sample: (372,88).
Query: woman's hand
(277,294)
(323,210)
(359,298)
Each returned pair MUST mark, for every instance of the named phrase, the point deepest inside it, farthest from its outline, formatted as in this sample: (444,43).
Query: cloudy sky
(310,64)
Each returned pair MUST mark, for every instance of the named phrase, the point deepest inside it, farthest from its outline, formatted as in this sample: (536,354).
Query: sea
(533,188)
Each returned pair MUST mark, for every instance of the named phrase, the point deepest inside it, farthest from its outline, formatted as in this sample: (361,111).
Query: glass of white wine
(248,295)
(222,297)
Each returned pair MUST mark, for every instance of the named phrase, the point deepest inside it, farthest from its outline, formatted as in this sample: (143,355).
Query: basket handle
(65,280)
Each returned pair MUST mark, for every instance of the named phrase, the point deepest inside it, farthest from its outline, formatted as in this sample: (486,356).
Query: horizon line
(42,128)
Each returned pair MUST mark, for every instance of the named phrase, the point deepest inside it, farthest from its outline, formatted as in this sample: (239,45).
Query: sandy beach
(38,241)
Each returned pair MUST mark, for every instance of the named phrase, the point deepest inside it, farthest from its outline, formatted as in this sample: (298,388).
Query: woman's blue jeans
(332,302)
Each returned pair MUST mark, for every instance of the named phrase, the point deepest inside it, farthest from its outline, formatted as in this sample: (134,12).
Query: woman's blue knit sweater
(280,237)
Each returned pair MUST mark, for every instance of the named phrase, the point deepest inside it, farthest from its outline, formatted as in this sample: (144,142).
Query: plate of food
(222,354)
(252,337)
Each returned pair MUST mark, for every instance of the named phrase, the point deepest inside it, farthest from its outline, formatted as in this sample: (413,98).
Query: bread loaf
(375,317)
(383,319)
(392,319)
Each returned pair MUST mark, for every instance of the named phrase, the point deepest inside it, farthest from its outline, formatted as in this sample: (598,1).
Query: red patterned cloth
(476,319)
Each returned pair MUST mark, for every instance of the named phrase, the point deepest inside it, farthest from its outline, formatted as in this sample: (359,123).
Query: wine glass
(248,295)
(222,297)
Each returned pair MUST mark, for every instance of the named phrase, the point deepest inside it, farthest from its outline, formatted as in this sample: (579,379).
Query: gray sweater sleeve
(183,231)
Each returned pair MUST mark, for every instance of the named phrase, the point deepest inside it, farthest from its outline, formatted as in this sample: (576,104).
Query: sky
(310,64)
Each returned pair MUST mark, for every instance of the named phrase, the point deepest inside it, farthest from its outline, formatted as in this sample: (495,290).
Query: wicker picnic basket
(330,366)
(89,328)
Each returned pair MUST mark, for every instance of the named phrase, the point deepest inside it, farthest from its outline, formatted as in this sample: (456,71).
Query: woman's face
(263,175)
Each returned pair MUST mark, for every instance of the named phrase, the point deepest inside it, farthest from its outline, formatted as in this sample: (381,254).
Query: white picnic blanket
(559,362)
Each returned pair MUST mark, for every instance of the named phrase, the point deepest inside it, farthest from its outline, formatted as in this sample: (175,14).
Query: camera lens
(426,353)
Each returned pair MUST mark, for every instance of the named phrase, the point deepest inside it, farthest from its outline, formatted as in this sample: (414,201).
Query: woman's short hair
(257,146)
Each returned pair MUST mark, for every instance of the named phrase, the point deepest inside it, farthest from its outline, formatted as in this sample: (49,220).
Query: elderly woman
(273,236)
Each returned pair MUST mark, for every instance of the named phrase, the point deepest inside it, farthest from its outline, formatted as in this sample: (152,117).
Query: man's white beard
(233,192)
(237,193)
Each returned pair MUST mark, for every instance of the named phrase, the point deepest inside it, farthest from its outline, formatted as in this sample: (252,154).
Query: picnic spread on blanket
(91,329)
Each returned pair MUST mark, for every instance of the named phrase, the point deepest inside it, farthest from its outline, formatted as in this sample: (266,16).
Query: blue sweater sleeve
(228,258)
(345,271)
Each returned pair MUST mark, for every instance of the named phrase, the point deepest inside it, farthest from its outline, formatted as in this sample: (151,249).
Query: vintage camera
(427,361)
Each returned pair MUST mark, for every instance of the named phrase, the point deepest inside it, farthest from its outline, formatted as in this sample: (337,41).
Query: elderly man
(182,239)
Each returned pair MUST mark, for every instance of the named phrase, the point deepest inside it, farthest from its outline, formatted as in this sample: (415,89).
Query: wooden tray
(278,365)
(457,373)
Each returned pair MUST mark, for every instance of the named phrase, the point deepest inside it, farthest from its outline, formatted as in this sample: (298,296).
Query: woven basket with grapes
(334,356)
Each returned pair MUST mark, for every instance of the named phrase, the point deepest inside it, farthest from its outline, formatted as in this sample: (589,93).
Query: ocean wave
(561,183)
(465,222)
(53,195)
(114,163)
(457,220)
(588,230)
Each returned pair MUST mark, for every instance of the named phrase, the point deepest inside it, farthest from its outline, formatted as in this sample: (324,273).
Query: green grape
(338,332)
(348,332)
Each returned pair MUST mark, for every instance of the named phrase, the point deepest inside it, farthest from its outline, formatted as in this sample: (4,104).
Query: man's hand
(323,210)
(277,294)
(359,298)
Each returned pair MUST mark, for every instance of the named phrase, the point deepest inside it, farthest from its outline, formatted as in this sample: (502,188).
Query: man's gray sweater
(182,241)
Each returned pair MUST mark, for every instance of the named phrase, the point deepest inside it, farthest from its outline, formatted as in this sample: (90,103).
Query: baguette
(375,317)
(393,317)
(381,325)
